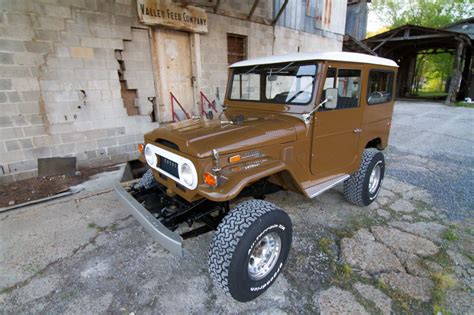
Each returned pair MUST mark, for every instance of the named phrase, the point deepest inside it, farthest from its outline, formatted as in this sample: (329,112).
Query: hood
(198,137)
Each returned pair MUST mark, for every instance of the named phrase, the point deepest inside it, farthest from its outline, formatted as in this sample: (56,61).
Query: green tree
(435,68)
(430,13)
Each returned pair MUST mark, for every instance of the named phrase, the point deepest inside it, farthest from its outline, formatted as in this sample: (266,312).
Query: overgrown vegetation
(433,68)
(324,245)
(442,282)
(450,235)
(99,228)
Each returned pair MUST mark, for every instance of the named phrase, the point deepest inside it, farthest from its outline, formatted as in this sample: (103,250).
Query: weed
(344,272)
(324,245)
(97,227)
(470,256)
(381,284)
(344,233)
(442,258)
(450,235)
(7,290)
(442,282)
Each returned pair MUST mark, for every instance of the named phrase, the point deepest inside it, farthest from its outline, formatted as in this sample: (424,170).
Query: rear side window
(380,87)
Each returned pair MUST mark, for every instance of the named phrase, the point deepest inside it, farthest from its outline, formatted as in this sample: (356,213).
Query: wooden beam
(283,6)
(384,41)
(394,39)
(252,10)
(218,4)
(456,76)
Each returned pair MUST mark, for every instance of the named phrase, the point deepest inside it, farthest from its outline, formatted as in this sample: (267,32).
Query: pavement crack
(107,229)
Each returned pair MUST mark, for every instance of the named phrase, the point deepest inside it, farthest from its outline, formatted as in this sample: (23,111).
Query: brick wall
(59,85)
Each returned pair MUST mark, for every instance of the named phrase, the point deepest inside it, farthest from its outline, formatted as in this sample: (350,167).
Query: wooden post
(456,76)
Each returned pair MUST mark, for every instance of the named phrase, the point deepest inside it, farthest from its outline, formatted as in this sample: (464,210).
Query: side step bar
(318,189)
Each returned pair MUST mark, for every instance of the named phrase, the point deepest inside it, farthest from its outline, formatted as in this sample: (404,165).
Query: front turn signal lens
(141,148)
(234,159)
(210,179)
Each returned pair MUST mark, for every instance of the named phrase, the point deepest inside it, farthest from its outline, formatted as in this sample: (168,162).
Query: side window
(347,82)
(380,87)
(348,87)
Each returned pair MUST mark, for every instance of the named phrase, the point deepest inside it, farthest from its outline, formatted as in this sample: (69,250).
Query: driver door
(336,132)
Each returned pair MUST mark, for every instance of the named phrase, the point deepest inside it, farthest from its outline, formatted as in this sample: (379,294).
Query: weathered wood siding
(313,16)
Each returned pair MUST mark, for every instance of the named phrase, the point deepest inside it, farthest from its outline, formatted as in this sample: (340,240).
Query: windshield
(287,83)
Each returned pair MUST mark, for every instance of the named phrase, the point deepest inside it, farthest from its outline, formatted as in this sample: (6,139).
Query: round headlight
(187,174)
(150,156)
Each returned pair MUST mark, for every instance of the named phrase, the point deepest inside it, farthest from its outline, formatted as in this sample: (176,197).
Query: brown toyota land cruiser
(301,122)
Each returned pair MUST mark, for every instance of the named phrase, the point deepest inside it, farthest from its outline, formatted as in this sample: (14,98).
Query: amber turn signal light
(234,159)
(141,148)
(210,179)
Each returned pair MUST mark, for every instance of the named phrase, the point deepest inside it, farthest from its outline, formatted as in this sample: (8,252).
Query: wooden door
(177,75)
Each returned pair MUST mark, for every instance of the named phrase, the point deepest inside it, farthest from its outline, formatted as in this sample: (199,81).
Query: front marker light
(210,179)
(150,156)
(187,174)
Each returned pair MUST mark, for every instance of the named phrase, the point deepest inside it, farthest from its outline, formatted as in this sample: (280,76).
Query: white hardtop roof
(332,56)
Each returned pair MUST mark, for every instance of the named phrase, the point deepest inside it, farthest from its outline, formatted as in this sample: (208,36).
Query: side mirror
(331,96)
(272,78)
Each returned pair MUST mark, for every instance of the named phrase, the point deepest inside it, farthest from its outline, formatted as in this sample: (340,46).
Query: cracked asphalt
(432,146)
(86,254)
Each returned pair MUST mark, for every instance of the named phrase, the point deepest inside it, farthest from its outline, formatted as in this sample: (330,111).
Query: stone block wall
(60,92)
(262,40)
(60,88)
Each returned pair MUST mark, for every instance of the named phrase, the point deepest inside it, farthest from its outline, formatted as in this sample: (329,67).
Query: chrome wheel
(375,177)
(264,256)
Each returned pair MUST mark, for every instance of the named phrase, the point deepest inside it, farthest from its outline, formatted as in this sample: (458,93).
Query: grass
(325,245)
(442,258)
(343,272)
(450,235)
(399,298)
(463,104)
(99,228)
(7,290)
(431,94)
(442,282)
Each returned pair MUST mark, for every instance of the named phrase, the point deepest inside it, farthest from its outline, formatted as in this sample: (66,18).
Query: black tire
(147,181)
(236,236)
(356,187)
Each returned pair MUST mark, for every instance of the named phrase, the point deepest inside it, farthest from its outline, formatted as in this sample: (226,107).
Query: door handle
(357,130)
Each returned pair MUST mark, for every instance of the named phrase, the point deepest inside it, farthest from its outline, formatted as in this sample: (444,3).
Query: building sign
(188,18)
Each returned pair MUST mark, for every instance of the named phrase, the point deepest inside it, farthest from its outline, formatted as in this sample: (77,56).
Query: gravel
(432,146)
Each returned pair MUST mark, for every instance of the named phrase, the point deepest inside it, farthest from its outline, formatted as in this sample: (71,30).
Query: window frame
(263,88)
(368,86)
(245,48)
(342,67)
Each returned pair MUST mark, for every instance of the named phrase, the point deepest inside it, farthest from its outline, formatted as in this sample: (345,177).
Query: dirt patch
(41,187)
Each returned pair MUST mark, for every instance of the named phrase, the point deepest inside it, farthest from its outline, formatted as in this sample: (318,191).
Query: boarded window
(380,87)
(236,48)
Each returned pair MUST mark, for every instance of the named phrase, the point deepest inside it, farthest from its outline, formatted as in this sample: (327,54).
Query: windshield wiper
(278,71)
(251,70)
(299,92)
